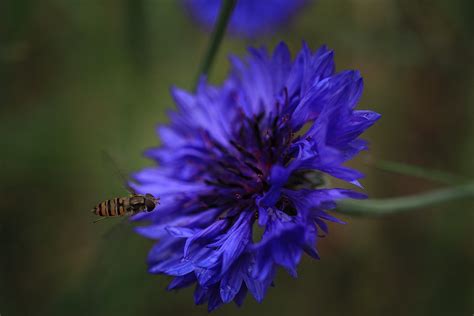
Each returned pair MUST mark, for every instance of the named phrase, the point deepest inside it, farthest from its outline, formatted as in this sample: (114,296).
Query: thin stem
(216,38)
(379,207)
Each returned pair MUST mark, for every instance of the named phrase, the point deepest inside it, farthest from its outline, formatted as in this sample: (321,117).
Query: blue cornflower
(251,152)
(250,17)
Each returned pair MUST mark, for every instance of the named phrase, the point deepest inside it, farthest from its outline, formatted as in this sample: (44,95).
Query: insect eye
(150,205)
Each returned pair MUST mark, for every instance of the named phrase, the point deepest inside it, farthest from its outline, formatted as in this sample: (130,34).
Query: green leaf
(379,207)
(417,171)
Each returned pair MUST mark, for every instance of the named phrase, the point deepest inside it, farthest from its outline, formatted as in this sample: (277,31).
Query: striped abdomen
(115,207)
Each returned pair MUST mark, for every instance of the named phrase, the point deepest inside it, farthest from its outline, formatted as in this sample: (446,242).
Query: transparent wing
(112,162)
(117,229)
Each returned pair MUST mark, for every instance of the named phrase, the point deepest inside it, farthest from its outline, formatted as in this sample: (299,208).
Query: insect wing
(123,179)
(117,229)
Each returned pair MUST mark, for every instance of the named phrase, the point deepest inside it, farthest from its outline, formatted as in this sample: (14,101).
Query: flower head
(250,17)
(247,154)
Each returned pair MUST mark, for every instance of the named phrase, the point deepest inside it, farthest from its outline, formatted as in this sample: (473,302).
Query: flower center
(241,170)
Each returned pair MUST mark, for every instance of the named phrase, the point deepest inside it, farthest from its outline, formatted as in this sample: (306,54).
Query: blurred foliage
(79,77)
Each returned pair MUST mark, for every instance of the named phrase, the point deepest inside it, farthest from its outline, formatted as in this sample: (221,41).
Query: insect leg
(100,219)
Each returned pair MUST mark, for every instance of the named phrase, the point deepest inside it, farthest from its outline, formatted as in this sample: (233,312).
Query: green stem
(216,38)
(379,207)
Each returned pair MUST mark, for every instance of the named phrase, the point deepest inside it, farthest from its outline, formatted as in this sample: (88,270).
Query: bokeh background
(81,77)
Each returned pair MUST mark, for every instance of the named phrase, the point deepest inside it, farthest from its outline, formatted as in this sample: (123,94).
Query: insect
(130,205)
(125,206)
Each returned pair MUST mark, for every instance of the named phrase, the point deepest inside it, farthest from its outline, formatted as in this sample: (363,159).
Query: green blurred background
(80,77)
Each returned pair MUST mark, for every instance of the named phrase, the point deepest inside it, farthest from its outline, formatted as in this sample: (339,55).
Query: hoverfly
(125,206)
(130,205)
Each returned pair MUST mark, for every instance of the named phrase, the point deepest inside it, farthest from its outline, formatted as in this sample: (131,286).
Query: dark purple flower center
(241,171)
